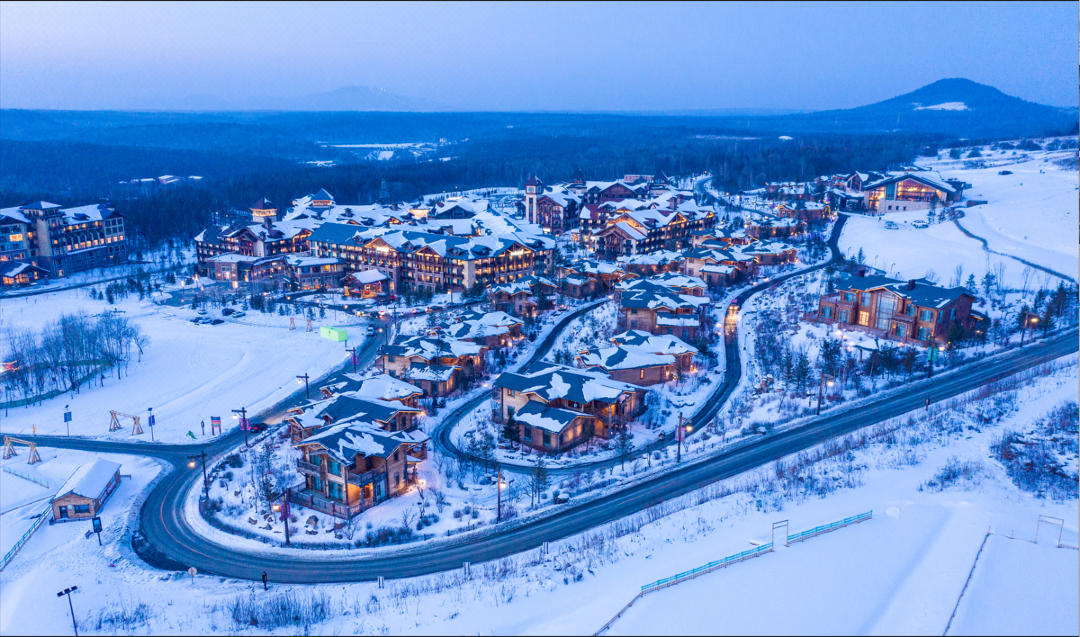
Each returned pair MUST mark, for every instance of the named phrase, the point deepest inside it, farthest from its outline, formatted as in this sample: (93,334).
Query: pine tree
(510,431)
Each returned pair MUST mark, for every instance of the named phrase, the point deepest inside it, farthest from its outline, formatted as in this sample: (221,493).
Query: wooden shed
(86,491)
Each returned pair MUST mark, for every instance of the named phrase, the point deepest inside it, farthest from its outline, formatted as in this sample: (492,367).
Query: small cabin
(86,491)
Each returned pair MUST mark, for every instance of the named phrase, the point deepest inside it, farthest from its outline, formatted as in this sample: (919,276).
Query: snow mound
(946,106)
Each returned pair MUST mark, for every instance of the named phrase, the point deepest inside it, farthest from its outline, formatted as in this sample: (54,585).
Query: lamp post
(68,592)
(243,421)
(191,465)
(307,387)
(352,355)
(821,390)
(934,347)
(1027,319)
(283,509)
(498,481)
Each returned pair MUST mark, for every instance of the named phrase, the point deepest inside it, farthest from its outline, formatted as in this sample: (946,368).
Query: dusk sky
(532,56)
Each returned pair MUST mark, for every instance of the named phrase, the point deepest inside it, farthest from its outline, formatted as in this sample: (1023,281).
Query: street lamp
(821,390)
(283,509)
(934,348)
(191,465)
(242,412)
(1027,319)
(68,592)
(307,387)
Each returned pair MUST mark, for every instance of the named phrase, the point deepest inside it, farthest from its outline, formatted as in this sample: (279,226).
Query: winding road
(165,539)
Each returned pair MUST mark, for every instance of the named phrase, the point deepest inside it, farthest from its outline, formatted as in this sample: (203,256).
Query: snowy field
(1033,214)
(188,372)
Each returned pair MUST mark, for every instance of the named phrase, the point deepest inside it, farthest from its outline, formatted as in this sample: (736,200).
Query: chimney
(911,284)
(861,272)
(268,224)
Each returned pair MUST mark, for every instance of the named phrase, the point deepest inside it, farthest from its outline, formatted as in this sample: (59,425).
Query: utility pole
(352,355)
(191,465)
(243,422)
(307,387)
(283,508)
(68,592)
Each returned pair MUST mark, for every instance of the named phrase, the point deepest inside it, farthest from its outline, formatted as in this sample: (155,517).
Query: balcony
(309,468)
(366,478)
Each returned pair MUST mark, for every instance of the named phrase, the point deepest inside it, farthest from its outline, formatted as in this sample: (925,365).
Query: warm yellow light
(277,507)
(191,464)
(830,383)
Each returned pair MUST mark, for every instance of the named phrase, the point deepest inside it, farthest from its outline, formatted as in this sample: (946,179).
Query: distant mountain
(346,98)
(955,107)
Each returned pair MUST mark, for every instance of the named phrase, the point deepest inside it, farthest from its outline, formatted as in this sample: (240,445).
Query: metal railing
(26,536)
(827,528)
(707,568)
(309,468)
(25,476)
(365,478)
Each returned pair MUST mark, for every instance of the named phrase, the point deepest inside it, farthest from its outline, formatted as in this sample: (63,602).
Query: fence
(827,528)
(707,568)
(16,472)
(45,514)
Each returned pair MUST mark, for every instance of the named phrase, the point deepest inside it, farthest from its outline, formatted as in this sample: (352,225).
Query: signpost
(215,423)
(192,571)
(97,529)
(151,422)
(67,419)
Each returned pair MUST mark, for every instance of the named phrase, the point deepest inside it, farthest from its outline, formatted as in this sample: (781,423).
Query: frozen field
(1034,213)
(188,372)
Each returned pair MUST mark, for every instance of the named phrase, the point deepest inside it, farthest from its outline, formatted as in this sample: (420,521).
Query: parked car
(216,322)
(227,311)
(891,225)
(1005,172)
(202,312)
(197,320)
(239,314)
(920,224)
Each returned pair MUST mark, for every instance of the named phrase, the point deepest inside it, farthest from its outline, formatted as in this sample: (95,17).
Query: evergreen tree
(510,431)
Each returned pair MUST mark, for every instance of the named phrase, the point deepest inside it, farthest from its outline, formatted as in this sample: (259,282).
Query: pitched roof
(345,441)
(623,357)
(662,344)
(541,416)
(550,382)
(90,479)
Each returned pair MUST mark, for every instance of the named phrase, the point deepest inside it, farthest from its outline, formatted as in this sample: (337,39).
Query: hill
(954,107)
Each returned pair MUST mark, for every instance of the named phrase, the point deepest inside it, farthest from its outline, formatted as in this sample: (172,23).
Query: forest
(249,157)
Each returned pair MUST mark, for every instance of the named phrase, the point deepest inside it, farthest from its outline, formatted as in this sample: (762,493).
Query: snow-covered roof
(89,480)
(541,416)
(623,357)
(652,258)
(429,348)
(345,441)
(655,344)
(550,382)
(368,276)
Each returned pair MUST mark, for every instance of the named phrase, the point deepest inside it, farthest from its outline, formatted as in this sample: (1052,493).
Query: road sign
(97,525)
(192,571)
(67,416)
(152,420)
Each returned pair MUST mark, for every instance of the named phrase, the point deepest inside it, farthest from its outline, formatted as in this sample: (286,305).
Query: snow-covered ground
(593,329)
(1033,214)
(901,572)
(187,374)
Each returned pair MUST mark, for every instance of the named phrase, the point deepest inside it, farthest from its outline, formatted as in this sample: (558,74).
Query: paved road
(165,528)
(171,543)
(705,413)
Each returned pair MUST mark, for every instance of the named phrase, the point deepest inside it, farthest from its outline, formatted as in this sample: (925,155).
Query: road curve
(173,543)
(164,526)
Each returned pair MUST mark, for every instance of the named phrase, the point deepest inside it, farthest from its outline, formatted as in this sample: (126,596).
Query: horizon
(643,59)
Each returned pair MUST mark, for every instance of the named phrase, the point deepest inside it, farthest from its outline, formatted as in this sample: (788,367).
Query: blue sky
(533,56)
